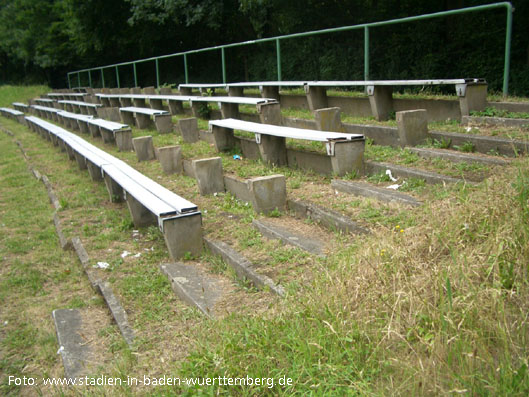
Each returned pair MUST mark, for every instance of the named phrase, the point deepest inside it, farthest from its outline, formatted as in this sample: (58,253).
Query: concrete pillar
(175,107)
(472,97)
(123,140)
(235,91)
(189,129)
(268,193)
(163,123)
(271,92)
(94,171)
(127,118)
(114,190)
(135,90)
(156,104)
(166,91)
(114,91)
(113,114)
(107,135)
(139,102)
(81,161)
(149,91)
(223,138)
(209,175)
(92,110)
(94,130)
(328,119)
(185,91)
(114,102)
(183,235)
(348,157)
(199,109)
(125,102)
(381,101)
(273,150)
(83,109)
(143,121)
(144,148)
(269,113)
(62,145)
(105,102)
(170,158)
(102,112)
(412,126)
(124,90)
(83,126)
(70,152)
(54,140)
(229,110)
(141,216)
(316,97)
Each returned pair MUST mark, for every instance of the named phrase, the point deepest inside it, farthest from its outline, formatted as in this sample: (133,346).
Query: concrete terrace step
(193,286)
(399,171)
(367,190)
(269,230)
(457,157)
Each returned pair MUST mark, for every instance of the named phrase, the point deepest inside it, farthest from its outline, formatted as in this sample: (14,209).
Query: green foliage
(494,112)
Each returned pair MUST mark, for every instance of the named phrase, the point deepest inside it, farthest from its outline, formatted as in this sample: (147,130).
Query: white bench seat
(14,114)
(178,219)
(21,107)
(141,117)
(74,121)
(82,107)
(346,150)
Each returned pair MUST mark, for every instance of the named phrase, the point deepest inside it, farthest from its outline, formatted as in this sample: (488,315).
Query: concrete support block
(185,91)
(127,118)
(105,102)
(114,102)
(273,150)
(348,157)
(381,101)
(271,92)
(69,152)
(229,110)
(94,130)
(81,161)
(115,191)
(94,171)
(209,175)
(170,158)
(144,148)
(156,104)
(268,193)
(141,216)
(196,108)
(183,235)
(113,114)
(412,126)
(143,121)
(139,102)
(123,140)
(83,126)
(189,129)
(472,97)
(102,112)
(124,91)
(223,138)
(166,91)
(107,135)
(114,91)
(269,113)
(163,123)
(125,102)
(62,145)
(149,90)
(316,97)
(328,119)
(175,107)
(135,90)
(236,91)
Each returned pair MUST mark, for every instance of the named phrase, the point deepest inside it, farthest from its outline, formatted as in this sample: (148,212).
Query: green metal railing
(277,40)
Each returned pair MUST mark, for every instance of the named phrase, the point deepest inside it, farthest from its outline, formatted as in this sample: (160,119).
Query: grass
(433,301)
(493,112)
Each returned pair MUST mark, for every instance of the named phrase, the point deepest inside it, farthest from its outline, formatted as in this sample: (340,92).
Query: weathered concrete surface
(63,241)
(381,101)
(183,235)
(242,266)
(499,121)
(189,129)
(268,193)
(475,98)
(143,121)
(193,286)
(348,157)
(170,158)
(272,231)
(115,192)
(373,167)
(73,348)
(209,175)
(457,157)
(141,215)
(270,92)
(238,188)
(316,162)
(328,119)
(412,126)
(367,190)
(127,118)
(269,113)
(163,123)
(124,140)
(144,148)
(328,218)
(117,311)
(316,97)
(484,144)
(85,262)
(273,150)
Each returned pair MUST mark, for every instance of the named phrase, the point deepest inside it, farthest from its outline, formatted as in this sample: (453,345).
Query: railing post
(69,82)
(78,79)
(278,56)
(102,78)
(117,76)
(506,68)
(157,73)
(89,79)
(366,53)
(135,75)
(185,69)
(223,65)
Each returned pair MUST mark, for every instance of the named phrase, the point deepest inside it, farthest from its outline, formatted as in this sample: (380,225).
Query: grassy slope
(438,308)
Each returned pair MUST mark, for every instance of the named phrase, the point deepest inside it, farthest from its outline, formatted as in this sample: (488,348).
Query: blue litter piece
(236,157)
